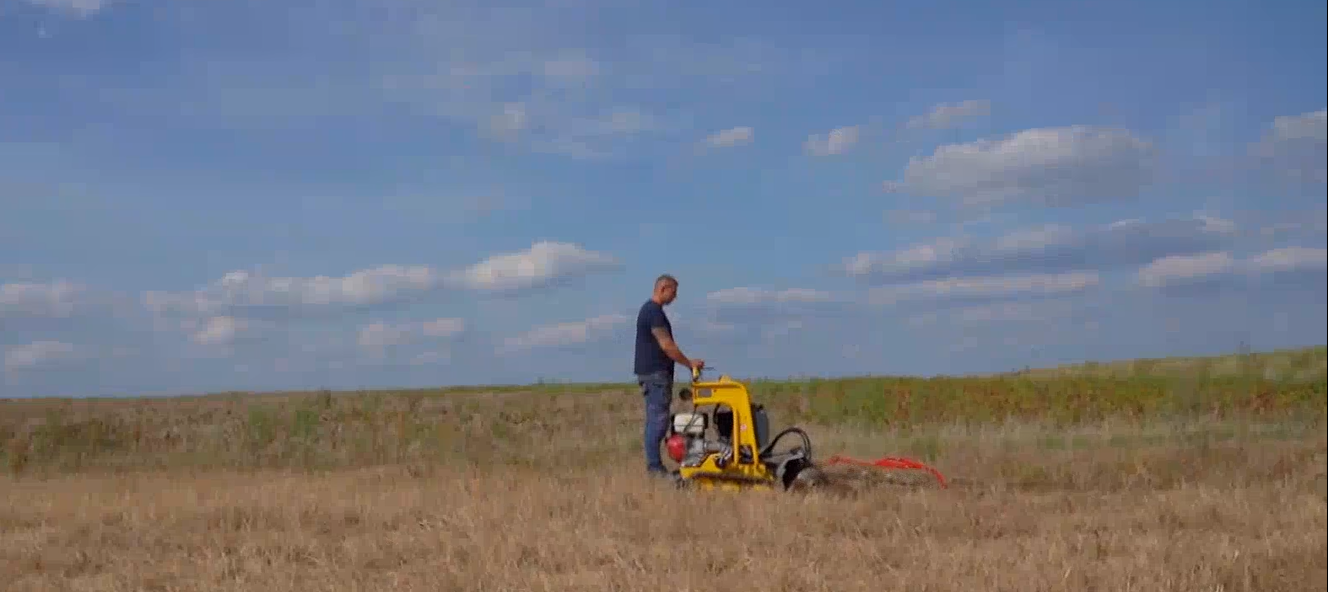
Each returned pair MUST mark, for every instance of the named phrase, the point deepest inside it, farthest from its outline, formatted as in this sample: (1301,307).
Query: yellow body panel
(734,475)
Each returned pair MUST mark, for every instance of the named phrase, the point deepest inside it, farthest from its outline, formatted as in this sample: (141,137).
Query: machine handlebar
(696,372)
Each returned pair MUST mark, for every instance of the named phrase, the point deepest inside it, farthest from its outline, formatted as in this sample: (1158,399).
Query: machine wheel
(810,478)
(803,475)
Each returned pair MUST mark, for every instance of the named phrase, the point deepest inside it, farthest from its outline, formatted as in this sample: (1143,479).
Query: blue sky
(248,195)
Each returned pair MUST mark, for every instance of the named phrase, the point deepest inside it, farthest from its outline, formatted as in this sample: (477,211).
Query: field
(1195,474)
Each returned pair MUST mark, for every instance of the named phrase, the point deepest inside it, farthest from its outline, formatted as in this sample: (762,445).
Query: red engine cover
(677,446)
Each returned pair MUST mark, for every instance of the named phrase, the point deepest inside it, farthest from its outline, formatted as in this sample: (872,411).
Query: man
(656,355)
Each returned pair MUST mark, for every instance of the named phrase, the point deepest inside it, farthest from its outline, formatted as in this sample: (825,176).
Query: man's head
(666,289)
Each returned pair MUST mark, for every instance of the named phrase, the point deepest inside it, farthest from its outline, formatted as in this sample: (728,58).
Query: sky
(202,196)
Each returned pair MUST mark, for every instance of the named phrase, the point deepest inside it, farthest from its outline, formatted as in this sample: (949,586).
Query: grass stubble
(539,489)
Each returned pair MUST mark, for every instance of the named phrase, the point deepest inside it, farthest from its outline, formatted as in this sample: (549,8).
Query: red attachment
(677,446)
(889,462)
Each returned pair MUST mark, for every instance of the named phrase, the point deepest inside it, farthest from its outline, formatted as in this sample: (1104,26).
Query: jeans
(657,389)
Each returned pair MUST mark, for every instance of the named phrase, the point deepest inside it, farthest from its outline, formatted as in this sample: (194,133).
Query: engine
(688,444)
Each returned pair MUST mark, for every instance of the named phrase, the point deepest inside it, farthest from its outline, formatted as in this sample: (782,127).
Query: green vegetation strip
(583,425)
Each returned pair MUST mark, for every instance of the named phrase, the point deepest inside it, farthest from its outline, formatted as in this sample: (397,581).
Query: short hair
(665,278)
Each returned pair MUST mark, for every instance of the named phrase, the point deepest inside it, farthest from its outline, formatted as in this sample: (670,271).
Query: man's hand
(695,367)
(667,344)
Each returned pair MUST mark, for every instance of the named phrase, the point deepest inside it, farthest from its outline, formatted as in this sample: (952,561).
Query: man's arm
(669,346)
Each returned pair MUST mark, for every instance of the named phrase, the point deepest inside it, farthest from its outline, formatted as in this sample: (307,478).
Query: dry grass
(1240,517)
(539,489)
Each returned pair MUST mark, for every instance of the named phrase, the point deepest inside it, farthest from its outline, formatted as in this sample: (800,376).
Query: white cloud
(986,288)
(222,330)
(221,333)
(1310,125)
(746,295)
(543,263)
(1048,248)
(949,115)
(594,136)
(732,137)
(379,334)
(36,354)
(1216,225)
(509,122)
(250,305)
(938,251)
(1180,270)
(519,76)
(697,323)
(1022,311)
(1297,225)
(1044,165)
(765,313)
(76,8)
(1298,146)
(1294,258)
(565,334)
(247,289)
(837,141)
(1168,270)
(28,299)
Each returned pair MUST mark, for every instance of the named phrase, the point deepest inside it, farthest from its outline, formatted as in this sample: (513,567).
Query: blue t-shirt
(650,358)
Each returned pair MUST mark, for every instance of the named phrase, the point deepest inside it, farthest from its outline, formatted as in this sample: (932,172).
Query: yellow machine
(739,453)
